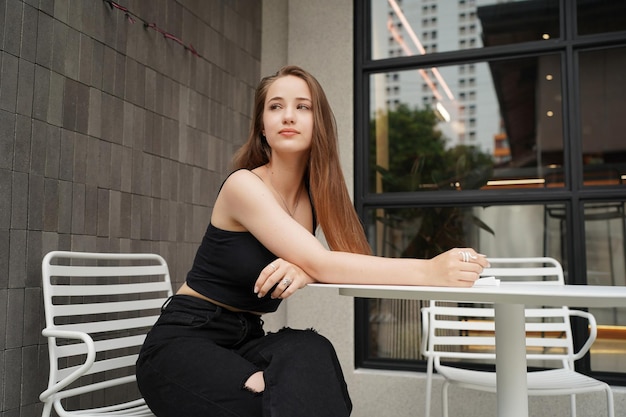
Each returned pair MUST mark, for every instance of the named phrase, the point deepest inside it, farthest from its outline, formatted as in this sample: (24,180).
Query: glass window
(605,230)
(603,125)
(522,138)
(491,23)
(598,16)
(513,138)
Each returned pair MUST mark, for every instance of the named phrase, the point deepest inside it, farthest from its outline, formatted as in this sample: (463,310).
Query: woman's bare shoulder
(241,180)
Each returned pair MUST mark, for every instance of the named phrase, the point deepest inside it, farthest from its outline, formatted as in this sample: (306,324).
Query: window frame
(568,46)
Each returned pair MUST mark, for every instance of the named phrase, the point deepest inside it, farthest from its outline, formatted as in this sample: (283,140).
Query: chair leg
(572,402)
(444,397)
(47,409)
(429,386)
(609,402)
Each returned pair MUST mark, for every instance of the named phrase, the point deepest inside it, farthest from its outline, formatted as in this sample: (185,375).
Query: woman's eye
(274,106)
(304,107)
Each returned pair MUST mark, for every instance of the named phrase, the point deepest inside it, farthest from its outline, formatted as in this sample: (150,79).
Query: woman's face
(288,115)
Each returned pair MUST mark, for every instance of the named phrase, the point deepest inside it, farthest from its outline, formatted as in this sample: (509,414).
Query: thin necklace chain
(295,207)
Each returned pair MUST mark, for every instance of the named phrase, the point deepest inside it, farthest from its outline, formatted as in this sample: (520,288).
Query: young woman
(208,354)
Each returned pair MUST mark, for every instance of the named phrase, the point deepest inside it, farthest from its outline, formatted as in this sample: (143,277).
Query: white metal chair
(98,309)
(465,333)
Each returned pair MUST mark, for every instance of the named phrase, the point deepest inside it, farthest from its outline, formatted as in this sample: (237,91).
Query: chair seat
(138,411)
(548,382)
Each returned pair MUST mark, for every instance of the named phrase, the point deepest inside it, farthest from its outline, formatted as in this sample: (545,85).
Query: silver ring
(286,282)
(465,256)
(273,267)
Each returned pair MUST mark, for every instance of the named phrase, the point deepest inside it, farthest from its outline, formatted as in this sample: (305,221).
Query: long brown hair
(334,209)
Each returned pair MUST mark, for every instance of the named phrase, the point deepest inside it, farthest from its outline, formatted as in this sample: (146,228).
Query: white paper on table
(486,281)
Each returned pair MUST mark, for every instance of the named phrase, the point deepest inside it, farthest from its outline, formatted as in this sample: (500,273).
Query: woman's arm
(245,200)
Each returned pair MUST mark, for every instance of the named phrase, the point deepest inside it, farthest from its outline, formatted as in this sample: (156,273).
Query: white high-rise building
(462,95)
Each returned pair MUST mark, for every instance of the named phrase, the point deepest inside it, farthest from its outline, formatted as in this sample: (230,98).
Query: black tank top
(226,267)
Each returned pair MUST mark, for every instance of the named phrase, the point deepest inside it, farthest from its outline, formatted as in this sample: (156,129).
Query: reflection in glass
(603,126)
(598,16)
(492,125)
(605,229)
(418,27)
(424,232)
(497,231)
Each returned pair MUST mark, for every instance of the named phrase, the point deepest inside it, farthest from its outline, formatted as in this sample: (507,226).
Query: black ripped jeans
(198,356)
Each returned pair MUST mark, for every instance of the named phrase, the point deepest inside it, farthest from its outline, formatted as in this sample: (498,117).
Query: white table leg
(511,360)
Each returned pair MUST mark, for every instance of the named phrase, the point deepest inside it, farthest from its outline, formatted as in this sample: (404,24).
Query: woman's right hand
(458,267)
(285,277)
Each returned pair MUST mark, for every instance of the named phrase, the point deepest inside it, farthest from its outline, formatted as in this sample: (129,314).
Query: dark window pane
(598,16)
(603,125)
(471,126)
(424,232)
(605,228)
(409,27)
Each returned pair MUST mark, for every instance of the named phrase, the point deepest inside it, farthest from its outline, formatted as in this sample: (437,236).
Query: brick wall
(112,138)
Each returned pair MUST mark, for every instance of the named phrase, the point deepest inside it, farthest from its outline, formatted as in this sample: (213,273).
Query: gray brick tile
(85,59)
(91,210)
(2,15)
(61,8)
(80,158)
(46,6)
(19,201)
(117,153)
(7,139)
(82,108)
(35,205)
(78,208)
(95,113)
(92,161)
(55,99)
(104,164)
(5,203)
(38,148)
(69,104)
(51,205)
(53,151)
(115,206)
(41,93)
(13,26)
(65,207)
(44,39)
(97,65)
(135,216)
(28,50)
(103,212)
(59,46)
(4,277)
(25,85)
(15,318)
(108,73)
(8,82)
(13,378)
(120,75)
(146,216)
(66,155)
(125,215)
(33,304)
(34,242)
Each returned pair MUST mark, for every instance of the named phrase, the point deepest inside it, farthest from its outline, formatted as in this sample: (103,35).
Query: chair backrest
(534,270)
(109,302)
(467,334)
(466,331)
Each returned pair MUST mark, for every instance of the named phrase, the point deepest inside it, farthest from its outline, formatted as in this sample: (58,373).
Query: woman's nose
(289,115)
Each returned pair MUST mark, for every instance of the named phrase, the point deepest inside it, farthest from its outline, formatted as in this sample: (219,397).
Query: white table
(509,300)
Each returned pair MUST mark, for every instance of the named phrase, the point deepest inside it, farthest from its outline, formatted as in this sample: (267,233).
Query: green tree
(418,160)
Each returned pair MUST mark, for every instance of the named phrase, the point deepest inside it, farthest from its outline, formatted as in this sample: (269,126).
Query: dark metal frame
(573,197)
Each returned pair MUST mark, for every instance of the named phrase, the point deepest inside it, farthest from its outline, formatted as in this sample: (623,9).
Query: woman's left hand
(285,277)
